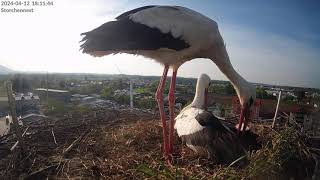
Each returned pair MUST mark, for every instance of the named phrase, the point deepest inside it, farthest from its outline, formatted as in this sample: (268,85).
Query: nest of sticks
(110,144)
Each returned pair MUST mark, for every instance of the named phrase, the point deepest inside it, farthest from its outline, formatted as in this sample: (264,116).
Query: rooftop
(18,98)
(51,90)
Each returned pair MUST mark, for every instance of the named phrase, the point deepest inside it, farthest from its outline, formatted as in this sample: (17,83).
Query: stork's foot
(244,127)
(168,159)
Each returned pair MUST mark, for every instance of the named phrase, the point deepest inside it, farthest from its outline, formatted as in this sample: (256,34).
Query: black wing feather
(125,34)
(207,119)
(215,139)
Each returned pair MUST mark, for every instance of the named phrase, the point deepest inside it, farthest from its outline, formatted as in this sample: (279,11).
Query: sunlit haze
(275,43)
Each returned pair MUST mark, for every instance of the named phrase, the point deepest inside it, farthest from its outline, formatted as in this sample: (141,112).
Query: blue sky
(275,42)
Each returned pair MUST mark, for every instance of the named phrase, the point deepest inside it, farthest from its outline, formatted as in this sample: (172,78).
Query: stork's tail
(102,40)
(126,35)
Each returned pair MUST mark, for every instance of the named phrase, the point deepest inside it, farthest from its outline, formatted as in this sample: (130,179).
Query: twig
(75,142)
(25,131)
(286,114)
(34,160)
(316,150)
(237,160)
(283,116)
(54,137)
(34,175)
(4,137)
(16,144)
(62,169)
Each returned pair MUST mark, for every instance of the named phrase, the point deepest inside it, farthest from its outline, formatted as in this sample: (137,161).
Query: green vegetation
(122,99)
(87,89)
(56,108)
(145,103)
(82,109)
(106,92)
(222,89)
(262,94)
(152,88)
(289,99)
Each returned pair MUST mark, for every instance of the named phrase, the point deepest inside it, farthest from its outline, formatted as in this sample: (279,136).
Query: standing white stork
(171,35)
(203,132)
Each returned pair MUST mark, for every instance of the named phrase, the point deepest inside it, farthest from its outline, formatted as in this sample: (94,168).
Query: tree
(145,103)
(300,95)
(106,92)
(62,84)
(217,89)
(122,99)
(230,89)
(20,84)
(227,89)
(154,86)
(56,107)
(262,94)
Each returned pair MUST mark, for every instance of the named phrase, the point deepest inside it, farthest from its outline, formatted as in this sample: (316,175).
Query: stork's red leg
(247,117)
(159,99)
(241,120)
(244,118)
(171,107)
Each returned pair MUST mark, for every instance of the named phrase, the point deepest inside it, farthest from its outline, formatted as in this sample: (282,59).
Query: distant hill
(5,70)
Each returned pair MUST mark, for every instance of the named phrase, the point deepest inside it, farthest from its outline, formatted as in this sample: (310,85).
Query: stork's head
(201,98)
(247,97)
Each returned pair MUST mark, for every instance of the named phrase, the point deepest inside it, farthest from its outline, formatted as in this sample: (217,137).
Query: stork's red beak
(206,99)
(244,118)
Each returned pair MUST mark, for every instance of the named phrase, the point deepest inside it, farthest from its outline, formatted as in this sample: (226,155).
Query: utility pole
(12,105)
(131,94)
(275,114)
(47,89)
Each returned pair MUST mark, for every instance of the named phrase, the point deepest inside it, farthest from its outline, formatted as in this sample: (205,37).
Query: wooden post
(12,105)
(275,114)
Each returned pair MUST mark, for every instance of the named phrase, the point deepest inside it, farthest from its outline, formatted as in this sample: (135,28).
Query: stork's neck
(221,58)
(199,97)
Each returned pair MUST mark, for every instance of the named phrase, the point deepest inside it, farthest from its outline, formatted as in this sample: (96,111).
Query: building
(77,98)
(56,94)
(25,103)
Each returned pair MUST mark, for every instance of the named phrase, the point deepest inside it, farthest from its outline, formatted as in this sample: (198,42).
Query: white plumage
(171,35)
(185,122)
(203,132)
(195,29)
